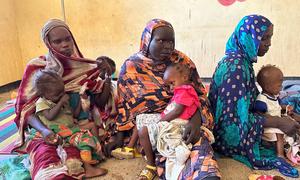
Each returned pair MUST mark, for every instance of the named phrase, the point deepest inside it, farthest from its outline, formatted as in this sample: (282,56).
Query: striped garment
(8,129)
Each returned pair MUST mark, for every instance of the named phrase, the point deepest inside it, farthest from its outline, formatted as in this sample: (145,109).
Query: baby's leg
(134,138)
(279,145)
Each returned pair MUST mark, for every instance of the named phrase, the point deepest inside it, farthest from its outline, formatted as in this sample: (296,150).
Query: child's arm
(175,113)
(50,114)
(102,98)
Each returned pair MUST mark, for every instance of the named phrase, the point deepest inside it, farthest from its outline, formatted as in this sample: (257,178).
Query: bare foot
(91,171)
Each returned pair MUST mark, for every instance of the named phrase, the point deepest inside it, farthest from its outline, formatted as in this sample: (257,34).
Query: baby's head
(177,75)
(109,61)
(49,85)
(270,79)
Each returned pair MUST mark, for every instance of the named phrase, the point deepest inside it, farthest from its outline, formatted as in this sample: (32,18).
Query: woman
(64,58)
(142,90)
(232,94)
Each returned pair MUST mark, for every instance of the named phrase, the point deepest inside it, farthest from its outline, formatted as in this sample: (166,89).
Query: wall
(10,68)
(114,27)
(202,28)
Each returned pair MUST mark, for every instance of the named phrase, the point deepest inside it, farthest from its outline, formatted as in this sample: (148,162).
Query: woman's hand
(193,128)
(285,124)
(104,68)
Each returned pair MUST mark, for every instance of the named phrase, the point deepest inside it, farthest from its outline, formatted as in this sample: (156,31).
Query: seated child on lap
(270,79)
(54,111)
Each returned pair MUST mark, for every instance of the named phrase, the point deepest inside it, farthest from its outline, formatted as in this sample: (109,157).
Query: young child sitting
(270,79)
(54,111)
(102,104)
(106,101)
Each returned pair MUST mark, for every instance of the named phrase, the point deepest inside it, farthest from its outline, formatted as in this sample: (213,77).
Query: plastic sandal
(123,153)
(148,172)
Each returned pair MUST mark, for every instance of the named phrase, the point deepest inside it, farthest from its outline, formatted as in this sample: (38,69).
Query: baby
(270,79)
(54,111)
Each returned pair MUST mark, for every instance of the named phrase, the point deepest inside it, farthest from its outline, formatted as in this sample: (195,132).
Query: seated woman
(65,59)
(233,92)
(142,90)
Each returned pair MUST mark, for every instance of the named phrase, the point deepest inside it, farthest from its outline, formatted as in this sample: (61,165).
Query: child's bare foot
(91,171)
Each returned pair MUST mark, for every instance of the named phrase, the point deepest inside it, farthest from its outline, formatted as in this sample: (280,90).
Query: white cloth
(171,145)
(273,109)
(166,138)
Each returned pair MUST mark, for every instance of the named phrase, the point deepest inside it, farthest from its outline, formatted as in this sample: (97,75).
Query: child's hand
(65,99)
(51,138)
(289,110)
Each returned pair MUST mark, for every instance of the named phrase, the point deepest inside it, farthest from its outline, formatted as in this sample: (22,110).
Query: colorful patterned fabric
(48,165)
(233,92)
(82,139)
(8,129)
(140,85)
(14,168)
(75,71)
(142,90)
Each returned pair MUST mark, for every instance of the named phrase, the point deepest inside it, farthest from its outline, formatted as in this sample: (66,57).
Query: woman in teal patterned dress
(232,94)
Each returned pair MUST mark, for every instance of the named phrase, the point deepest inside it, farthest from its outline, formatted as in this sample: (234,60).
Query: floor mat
(8,129)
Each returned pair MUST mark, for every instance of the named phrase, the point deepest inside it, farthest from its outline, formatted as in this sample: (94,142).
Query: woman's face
(162,43)
(265,42)
(61,40)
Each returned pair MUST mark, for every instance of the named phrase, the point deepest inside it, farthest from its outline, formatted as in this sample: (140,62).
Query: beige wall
(114,28)
(10,66)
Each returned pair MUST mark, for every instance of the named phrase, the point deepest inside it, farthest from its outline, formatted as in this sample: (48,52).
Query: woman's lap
(201,163)
(44,156)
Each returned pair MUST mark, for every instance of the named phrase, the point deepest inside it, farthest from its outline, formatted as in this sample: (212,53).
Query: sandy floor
(129,169)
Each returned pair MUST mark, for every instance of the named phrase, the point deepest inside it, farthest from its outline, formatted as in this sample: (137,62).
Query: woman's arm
(102,98)
(175,113)
(192,129)
(285,124)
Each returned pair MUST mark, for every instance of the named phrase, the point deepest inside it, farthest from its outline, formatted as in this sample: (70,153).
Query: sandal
(123,153)
(148,172)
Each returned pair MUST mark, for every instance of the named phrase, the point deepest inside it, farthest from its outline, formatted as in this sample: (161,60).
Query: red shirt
(186,96)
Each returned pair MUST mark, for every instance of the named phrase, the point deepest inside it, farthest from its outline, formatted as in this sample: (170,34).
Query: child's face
(54,93)
(274,85)
(173,78)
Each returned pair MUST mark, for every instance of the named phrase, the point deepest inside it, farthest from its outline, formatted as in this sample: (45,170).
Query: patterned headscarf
(147,33)
(247,36)
(52,62)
